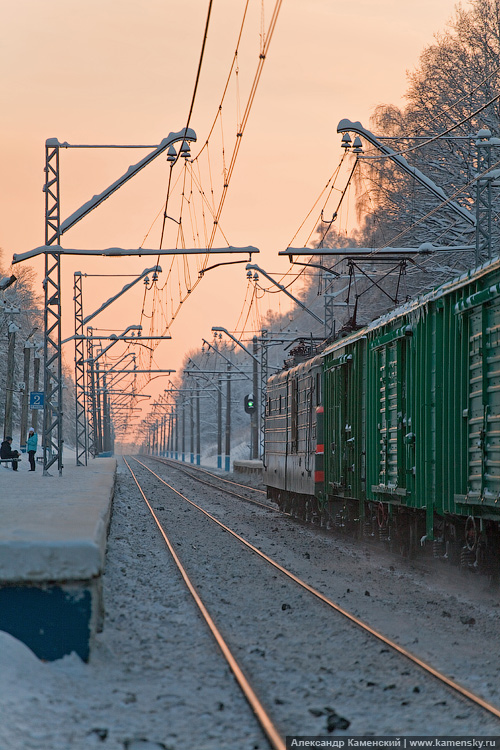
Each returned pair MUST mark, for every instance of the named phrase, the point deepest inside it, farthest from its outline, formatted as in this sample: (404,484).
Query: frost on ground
(154,680)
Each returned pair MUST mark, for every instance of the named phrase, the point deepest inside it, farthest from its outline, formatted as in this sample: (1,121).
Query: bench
(7,462)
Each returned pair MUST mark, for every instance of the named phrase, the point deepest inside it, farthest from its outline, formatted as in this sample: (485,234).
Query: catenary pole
(24,402)
(36,387)
(227,465)
(9,385)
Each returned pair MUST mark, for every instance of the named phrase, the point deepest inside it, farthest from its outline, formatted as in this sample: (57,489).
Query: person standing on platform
(31,447)
(7,452)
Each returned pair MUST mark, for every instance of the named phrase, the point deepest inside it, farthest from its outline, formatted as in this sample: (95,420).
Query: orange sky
(123,72)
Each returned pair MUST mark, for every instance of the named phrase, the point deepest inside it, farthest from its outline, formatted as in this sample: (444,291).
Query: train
(393,430)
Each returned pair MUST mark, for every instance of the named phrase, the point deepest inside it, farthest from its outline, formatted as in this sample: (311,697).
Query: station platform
(53,536)
(248,466)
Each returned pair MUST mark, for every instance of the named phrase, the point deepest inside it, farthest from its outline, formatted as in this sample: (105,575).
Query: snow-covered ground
(142,688)
(156,681)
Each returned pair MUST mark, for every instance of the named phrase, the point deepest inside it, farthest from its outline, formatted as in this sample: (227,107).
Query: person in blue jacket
(31,446)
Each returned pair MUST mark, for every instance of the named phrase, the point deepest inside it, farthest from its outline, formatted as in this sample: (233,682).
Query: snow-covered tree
(22,305)
(453,88)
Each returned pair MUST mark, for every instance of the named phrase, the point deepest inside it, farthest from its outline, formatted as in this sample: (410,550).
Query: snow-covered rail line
(224,485)
(265,722)
(312,637)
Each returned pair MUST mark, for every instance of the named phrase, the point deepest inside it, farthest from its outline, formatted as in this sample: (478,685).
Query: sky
(109,72)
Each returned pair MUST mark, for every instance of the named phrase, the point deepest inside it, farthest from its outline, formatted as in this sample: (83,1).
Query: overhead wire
(249,286)
(434,138)
(200,62)
(330,184)
(415,148)
(193,99)
(187,205)
(450,198)
(330,180)
(246,114)
(228,80)
(228,170)
(344,193)
(253,304)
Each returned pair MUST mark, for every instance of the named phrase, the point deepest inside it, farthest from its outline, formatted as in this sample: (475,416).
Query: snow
(418,302)
(56,531)
(156,681)
(16,660)
(429,184)
(141,689)
(131,172)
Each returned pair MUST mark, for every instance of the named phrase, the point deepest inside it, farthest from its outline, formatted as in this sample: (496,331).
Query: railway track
(367,632)
(218,483)
(269,729)
(425,559)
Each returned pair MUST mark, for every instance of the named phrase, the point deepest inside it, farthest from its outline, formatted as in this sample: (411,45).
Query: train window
(294,415)
(319,395)
(280,404)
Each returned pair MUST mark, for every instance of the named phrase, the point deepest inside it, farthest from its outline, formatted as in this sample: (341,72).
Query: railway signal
(250,404)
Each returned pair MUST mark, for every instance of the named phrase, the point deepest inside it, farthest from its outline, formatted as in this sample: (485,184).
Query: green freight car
(410,417)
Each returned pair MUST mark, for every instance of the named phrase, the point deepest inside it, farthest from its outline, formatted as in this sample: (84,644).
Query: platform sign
(36,399)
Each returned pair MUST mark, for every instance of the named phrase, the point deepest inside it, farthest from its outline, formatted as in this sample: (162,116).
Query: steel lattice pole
(53,407)
(81,422)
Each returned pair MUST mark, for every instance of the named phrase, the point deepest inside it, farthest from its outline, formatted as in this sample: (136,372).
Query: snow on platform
(248,466)
(52,552)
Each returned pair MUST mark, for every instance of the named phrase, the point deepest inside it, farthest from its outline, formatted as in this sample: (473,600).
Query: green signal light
(249,404)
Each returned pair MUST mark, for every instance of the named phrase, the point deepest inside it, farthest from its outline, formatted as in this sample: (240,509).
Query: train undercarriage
(471,543)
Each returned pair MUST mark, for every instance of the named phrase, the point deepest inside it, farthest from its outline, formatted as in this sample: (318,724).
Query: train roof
(298,369)
(418,302)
